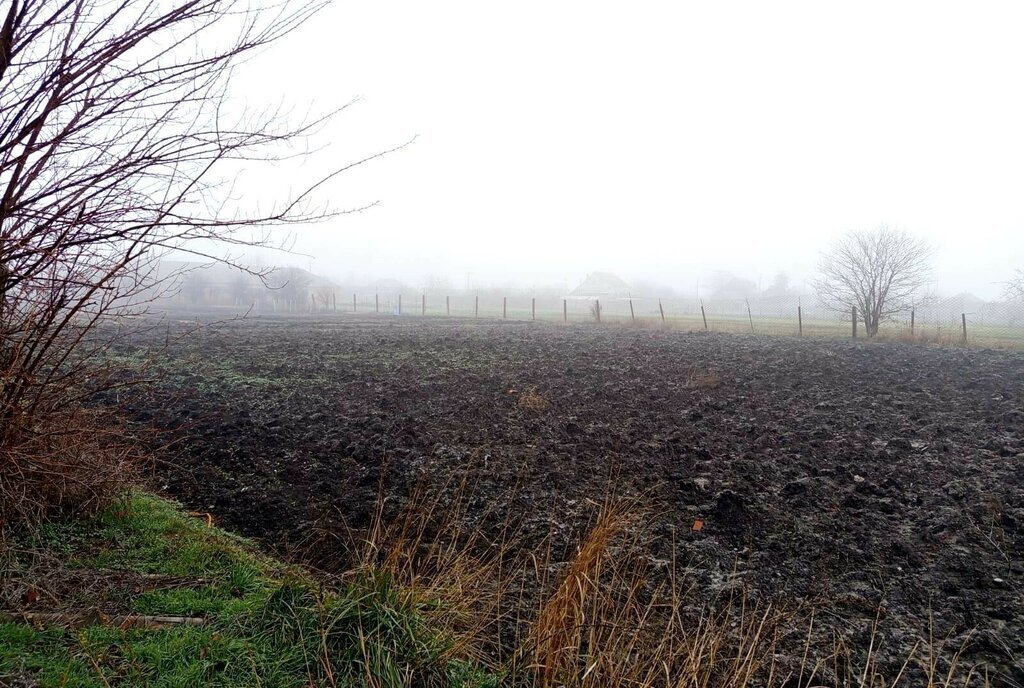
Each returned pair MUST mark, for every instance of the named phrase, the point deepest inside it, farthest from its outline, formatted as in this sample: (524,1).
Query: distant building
(217,284)
(602,285)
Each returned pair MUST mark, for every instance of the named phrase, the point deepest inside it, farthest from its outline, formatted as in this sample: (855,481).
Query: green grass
(266,624)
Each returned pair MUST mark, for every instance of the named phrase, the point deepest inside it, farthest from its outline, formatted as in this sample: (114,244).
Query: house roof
(602,284)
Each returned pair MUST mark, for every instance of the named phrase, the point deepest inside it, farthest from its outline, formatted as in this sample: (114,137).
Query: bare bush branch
(118,134)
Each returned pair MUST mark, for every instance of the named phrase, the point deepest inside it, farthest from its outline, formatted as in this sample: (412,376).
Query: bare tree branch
(117,135)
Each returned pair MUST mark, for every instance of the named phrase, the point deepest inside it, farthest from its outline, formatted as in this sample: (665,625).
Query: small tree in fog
(1015,287)
(878,271)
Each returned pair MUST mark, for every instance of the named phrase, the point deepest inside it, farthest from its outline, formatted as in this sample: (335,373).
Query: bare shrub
(117,135)
(75,462)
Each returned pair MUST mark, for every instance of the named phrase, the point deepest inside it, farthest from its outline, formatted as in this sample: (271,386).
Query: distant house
(218,284)
(602,285)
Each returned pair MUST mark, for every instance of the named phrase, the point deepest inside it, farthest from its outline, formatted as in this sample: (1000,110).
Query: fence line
(998,324)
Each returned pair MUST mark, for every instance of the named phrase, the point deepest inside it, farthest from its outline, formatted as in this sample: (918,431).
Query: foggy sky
(657,140)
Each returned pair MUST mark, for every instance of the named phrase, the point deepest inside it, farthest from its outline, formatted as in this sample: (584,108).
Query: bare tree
(117,137)
(1015,287)
(880,272)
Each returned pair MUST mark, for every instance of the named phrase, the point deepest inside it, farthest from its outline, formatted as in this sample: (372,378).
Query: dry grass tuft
(702,380)
(452,570)
(614,620)
(531,400)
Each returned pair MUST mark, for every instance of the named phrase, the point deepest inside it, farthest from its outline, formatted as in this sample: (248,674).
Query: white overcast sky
(657,140)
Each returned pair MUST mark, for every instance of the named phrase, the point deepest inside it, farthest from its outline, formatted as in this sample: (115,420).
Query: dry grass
(531,400)
(69,462)
(701,380)
(456,572)
(614,618)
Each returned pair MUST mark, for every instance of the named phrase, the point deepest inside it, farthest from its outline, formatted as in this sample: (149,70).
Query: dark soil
(878,479)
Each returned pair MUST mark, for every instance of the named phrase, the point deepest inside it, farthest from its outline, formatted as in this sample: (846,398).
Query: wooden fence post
(854,312)
(632,315)
(504,307)
(749,316)
(911,322)
(533,308)
(376,302)
(703,315)
(963,320)
(597,309)
(565,310)
(662,310)
(399,303)
(476,307)
(353,303)
(448,305)
(423,306)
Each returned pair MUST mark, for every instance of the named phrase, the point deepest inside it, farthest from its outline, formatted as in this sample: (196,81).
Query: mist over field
(662,143)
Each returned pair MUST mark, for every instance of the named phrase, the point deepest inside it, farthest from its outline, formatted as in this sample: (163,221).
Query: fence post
(662,310)
(565,311)
(854,311)
(476,307)
(597,309)
(353,303)
(423,307)
(533,308)
(749,316)
(376,302)
(632,315)
(334,302)
(504,307)
(399,303)
(800,320)
(448,305)
(703,315)
(963,320)
(911,322)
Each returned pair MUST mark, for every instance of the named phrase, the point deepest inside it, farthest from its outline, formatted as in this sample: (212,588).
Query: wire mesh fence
(956,320)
